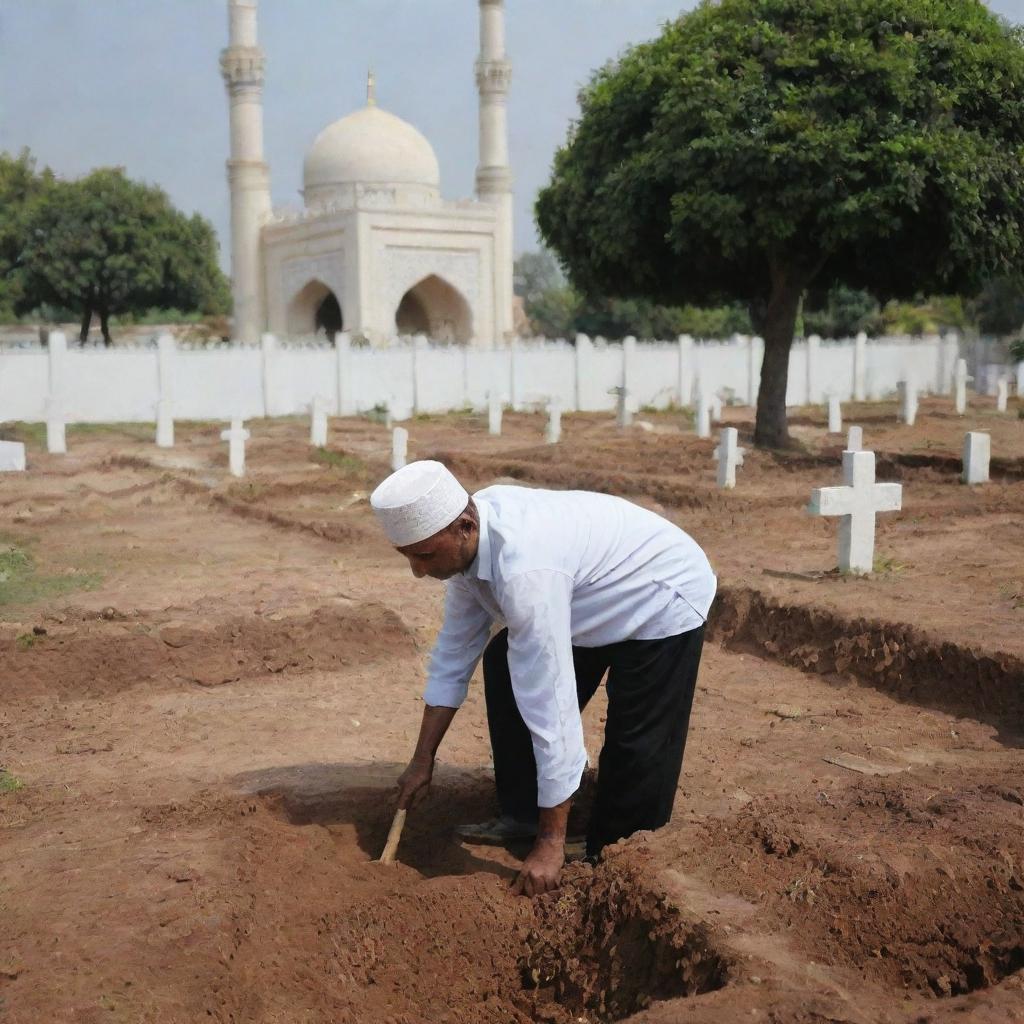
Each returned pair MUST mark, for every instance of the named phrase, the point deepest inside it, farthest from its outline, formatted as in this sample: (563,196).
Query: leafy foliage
(107,245)
(20,183)
(759,147)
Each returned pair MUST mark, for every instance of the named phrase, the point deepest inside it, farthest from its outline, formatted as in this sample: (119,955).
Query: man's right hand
(414,783)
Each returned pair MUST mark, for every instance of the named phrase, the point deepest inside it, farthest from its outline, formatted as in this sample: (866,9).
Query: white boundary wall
(411,376)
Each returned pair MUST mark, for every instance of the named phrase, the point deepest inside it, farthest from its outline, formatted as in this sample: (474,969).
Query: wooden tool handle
(391,846)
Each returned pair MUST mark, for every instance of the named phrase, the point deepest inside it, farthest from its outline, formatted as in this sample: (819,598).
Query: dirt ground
(209,687)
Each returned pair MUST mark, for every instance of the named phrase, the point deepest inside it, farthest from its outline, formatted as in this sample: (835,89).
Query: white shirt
(563,568)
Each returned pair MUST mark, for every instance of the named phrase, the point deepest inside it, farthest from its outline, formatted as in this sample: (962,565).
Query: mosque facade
(376,251)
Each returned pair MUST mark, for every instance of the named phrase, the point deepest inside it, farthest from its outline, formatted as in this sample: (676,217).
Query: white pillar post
(702,411)
(1002,393)
(960,379)
(813,343)
(57,355)
(268,348)
(685,386)
(907,390)
(318,422)
(976,458)
(855,439)
(399,448)
(835,415)
(494,414)
(860,362)
(950,357)
(584,351)
(553,433)
(56,436)
(343,360)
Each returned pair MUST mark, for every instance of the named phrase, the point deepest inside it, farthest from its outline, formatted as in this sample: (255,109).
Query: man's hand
(414,783)
(542,869)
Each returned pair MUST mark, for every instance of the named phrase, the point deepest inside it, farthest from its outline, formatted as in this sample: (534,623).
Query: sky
(136,83)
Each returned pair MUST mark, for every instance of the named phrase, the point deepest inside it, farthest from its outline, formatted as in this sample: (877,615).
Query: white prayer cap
(417,501)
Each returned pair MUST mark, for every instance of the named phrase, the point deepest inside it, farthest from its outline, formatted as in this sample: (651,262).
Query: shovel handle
(394,834)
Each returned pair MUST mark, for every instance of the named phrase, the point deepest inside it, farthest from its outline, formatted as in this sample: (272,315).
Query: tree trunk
(105,326)
(775,321)
(83,334)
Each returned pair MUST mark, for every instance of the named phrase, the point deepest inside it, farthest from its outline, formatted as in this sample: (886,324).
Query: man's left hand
(542,869)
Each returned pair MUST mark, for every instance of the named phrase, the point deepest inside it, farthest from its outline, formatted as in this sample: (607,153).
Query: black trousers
(650,694)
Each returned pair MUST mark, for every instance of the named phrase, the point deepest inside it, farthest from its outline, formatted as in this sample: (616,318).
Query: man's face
(446,553)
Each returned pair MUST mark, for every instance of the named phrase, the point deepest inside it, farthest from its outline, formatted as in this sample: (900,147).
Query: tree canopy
(761,147)
(106,245)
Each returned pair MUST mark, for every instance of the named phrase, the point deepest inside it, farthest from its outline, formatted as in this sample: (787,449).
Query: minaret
(248,176)
(493,175)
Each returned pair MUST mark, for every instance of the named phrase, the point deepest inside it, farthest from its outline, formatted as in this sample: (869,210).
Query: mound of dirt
(95,658)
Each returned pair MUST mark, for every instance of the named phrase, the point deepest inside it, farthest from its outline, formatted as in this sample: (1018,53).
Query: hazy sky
(136,83)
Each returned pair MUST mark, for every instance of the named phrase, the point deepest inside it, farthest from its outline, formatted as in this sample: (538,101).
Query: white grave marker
(553,433)
(494,415)
(908,401)
(728,456)
(858,501)
(12,457)
(835,415)
(56,436)
(623,413)
(977,454)
(1002,393)
(855,439)
(236,438)
(702,415)
(960,379)
(164,423)
(318,422)
(716,408)
(399,448)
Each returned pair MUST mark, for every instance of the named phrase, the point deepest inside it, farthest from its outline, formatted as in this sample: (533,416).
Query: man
(583,584)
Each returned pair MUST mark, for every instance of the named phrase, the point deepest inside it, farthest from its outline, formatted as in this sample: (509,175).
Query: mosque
(376,251)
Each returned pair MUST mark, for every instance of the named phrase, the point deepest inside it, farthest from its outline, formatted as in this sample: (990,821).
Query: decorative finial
(371,88)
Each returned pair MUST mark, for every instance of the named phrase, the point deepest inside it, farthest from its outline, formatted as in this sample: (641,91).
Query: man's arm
(537,607)
(414,782)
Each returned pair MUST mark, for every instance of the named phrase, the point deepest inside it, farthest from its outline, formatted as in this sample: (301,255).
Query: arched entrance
(315,309)
(434,308)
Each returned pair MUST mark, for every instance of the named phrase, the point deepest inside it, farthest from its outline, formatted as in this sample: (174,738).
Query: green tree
(20,183)
(999,308)
(759,147)
(107,245)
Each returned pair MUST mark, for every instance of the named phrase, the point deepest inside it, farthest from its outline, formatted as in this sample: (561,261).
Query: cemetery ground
(210,685)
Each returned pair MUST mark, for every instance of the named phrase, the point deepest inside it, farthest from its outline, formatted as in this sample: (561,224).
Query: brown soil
(207,743)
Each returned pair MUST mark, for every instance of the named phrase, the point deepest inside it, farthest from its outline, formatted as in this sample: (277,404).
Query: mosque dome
(370,148)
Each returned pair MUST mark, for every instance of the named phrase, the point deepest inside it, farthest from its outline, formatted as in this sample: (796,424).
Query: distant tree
(759,147)
(999,308)
(20,183)
(107,245)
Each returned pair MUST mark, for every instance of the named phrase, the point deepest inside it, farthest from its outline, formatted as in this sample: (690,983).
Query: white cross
(553,434)
(728,456)
(493,414)
(908,401)
(857,502)
(835,415)
(165,423)
(1002,392)
(399,448)
(960,379)
(56,436)
(318,422)
(854,439)
(236,438)
(977,454)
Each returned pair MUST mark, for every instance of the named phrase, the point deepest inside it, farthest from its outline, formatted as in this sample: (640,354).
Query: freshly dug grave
(918,888)
(89,657)
(894,657)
